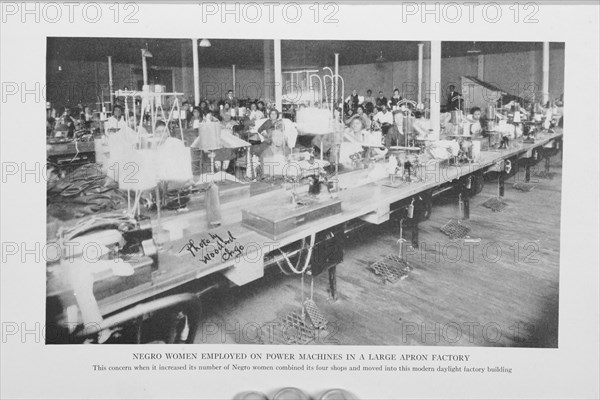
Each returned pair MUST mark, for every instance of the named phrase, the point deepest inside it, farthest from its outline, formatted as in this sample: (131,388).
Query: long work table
(190,239)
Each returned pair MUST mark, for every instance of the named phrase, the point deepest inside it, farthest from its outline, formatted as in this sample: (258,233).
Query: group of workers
(373,123)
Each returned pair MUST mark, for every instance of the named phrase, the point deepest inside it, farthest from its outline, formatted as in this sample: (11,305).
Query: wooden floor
(494,295)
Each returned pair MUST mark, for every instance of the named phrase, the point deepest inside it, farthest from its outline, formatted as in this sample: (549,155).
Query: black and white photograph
(300,200)
(304,192)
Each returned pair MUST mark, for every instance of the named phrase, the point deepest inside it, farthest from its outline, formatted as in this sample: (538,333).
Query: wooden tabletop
(178,266)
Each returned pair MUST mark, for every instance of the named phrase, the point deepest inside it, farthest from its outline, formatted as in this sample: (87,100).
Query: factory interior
(303,192)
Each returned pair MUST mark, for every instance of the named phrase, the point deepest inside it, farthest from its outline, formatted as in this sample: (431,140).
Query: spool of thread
(213,205)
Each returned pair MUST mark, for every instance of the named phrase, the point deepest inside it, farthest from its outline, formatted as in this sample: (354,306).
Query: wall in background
(516,73)
(86,82)
(385,77)
(521,73)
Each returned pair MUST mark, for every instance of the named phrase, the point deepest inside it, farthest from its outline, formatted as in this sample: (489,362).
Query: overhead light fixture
(474,49)
(205,43)
(146,53)
(381,58)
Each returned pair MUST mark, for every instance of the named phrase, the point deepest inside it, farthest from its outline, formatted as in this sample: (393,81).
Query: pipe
(434,85)
(196,72)
(420,75)
(336,74)
(110,82)
(332,97)
(320,94)
(546,72)
(233,72)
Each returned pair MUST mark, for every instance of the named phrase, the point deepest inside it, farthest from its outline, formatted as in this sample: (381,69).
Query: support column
(144,68)
(435,90)
(110,82)
(480,66)
(278,74)
(267,92)
(196,68)
(546,72)
(420,75)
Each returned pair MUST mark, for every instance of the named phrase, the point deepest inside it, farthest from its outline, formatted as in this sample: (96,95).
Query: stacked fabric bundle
(84,191)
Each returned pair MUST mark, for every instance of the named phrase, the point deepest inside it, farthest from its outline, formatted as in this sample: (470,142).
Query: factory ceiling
(249,53)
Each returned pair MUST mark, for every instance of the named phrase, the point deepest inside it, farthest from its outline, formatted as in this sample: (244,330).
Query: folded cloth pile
(84,191)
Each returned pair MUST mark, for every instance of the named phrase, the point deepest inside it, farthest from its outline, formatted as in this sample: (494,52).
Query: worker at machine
(395,134)
(260,106)
(381,100)
(255,113)
(203,106)
(265,131)
(186,112)
(454,99)
(369,102)
(230,99)
(270,124)
(360,113)
(353,101)
(384,119)
(422,128)
(87,116)
(225,113)
(116,122)
(396,98)
(196,119)
(65,126)
(474,118)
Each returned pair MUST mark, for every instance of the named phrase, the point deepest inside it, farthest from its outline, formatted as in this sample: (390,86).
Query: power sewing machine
(118,250)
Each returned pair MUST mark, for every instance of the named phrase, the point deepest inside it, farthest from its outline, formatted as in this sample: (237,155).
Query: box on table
(275,220)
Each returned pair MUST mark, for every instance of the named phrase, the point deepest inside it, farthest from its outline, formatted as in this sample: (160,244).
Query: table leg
(333,281)
(415,233)
(528,170)
(501,183)
(465,201)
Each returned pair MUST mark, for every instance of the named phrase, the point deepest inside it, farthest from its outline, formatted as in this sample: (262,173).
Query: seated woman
(266,130)
(163,136)
(255,113)
(423,129)
(474,118)
(225,113)
(203,106)
(222,155)
(395,134)
(360,113)
(196,119)
(355,137)
(394,99)
(384,119)
(260,106)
